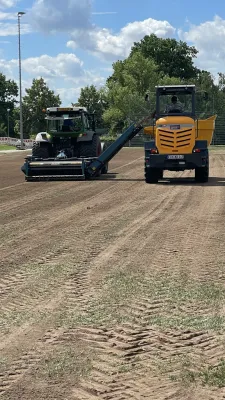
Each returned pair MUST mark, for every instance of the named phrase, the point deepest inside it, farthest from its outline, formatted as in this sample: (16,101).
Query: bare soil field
(112,289)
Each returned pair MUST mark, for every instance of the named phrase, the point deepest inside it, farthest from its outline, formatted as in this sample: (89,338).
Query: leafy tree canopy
(173,58)
(38,97)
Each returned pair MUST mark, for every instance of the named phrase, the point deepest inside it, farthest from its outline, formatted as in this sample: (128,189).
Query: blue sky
(73,43)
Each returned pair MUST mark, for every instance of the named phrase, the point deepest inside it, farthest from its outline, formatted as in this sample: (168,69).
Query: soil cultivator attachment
(53,169)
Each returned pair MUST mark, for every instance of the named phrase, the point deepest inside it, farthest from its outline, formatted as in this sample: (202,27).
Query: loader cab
(175,101)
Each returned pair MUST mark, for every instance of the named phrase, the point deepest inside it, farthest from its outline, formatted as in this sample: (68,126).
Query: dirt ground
(112,289)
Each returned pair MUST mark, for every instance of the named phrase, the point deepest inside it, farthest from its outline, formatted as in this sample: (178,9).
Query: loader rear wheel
(152,175)
(91,149)
(40,150)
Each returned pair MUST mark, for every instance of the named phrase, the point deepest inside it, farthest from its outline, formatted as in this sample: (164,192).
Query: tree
(173,58)
(130,81)
(136,72)
(3,129)
(8,94)
(37,99)
(94,100)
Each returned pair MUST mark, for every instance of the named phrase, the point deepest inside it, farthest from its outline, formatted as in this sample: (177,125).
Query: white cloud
(51,16)
(209,39)
(54,15)
(7,16)
(64,73)
(7,3)
(63,65)
(8,29)
(109,46)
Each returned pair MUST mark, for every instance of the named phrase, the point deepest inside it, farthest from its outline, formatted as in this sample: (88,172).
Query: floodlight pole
(20,81)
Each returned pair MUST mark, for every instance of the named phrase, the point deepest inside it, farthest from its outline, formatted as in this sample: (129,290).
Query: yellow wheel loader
(180,140)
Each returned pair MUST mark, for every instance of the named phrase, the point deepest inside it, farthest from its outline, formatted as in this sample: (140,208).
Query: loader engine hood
(175,135)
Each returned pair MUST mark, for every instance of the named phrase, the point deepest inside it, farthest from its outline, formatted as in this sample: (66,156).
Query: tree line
(152,61)
(37,98)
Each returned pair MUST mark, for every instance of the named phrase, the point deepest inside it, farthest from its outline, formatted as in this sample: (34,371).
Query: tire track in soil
(58,218)
(94,252)
(201,343)
(84,283)
(96,248)
(10,284)
(111,346)
(49,189)
(27,361)
(120,352)
(71,236)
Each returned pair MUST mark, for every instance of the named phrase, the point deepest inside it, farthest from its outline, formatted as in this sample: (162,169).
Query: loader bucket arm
(96,165)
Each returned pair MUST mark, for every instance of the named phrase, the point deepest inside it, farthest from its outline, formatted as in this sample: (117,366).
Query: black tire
(91,149)
(202,174)
(105,169)
(161,174)
(40,150)
(152,175)
(106,166)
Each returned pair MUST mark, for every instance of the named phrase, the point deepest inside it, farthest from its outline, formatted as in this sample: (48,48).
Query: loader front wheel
(40,150)
(161,174)
(202,174)
(152,175)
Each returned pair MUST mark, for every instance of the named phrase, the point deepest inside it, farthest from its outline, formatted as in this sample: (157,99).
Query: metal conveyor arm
(113,149)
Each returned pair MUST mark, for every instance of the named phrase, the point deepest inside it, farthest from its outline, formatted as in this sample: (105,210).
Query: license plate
(175,157)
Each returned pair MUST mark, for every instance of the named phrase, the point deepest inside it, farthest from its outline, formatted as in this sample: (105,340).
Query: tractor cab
(69,120)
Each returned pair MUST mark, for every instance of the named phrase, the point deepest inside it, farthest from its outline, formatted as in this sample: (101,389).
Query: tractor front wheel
(91,149)
(40,150)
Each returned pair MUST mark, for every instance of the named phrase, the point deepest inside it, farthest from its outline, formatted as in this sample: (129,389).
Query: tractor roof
(175,86)
(174,89)
(66,109)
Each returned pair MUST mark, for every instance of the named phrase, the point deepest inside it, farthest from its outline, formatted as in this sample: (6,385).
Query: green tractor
(70,134)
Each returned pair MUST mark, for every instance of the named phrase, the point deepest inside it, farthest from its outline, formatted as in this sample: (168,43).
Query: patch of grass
(180,300)
(124,368)
(67,362)
(108,308)
(16,318)
(36,288)
(6,147)
(195,322)
(214,375)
